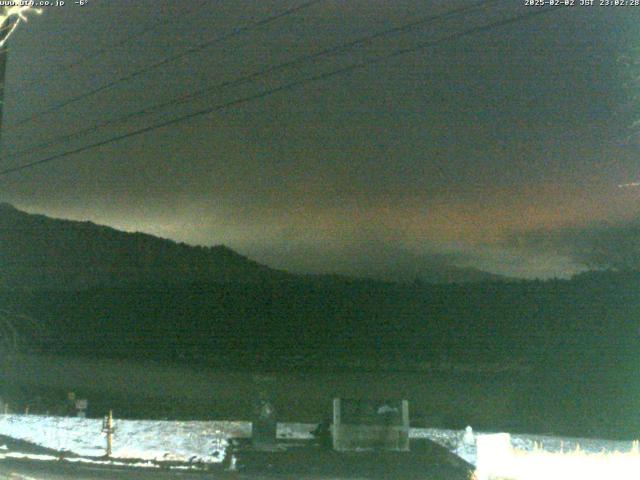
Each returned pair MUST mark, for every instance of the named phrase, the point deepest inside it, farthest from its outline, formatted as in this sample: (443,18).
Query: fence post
(109,429)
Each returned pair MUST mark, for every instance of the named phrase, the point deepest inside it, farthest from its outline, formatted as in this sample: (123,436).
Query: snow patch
(463,442)
(133,439)
(207,442)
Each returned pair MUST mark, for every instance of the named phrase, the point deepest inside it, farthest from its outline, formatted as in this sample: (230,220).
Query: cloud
(600,246)
(365,257)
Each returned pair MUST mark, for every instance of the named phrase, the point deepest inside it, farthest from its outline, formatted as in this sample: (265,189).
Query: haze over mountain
(41,252)
(38,252)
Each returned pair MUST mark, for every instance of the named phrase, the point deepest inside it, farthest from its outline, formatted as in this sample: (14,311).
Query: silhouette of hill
(150,296)
(135,296)
(38,252)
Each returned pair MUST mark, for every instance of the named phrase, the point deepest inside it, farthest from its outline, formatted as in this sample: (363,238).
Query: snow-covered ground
(133,439)
(463,442)
(206,441)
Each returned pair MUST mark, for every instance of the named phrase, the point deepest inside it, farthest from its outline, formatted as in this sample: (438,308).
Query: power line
(287,86)
(167,60)
(100,51)
(248,78)
(11,23)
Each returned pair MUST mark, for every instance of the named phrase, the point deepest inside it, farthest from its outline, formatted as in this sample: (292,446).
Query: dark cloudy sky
(501,150)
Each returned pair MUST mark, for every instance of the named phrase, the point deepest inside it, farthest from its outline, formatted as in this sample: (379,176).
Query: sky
(502,150)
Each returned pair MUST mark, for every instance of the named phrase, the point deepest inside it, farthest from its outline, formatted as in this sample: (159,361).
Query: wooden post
(405,413)
(337,421)
(108,428)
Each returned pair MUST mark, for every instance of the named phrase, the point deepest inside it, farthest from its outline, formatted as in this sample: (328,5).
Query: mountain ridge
(41,252)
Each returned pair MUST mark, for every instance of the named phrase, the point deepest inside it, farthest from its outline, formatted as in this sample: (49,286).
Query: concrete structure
(366,424)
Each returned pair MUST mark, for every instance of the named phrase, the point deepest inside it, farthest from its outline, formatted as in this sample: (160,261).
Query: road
(44,470)
(427,461)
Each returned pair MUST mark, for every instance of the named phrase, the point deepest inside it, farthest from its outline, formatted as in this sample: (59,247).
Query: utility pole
(10,18)
(5,29)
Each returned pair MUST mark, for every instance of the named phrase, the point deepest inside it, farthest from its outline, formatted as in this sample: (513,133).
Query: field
(439,397)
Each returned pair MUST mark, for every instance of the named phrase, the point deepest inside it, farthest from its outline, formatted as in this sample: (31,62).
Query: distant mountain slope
(39,252)
(409,268)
